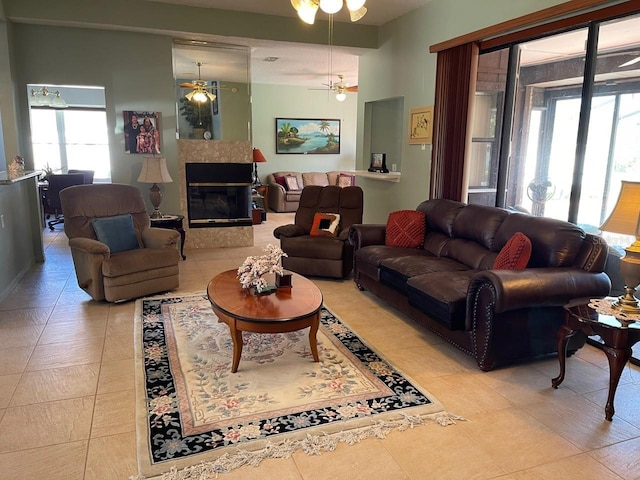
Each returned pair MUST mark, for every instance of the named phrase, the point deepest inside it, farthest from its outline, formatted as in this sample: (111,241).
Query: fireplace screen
(218,195)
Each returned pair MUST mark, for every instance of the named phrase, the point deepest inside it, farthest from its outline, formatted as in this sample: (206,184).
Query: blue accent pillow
(116,232)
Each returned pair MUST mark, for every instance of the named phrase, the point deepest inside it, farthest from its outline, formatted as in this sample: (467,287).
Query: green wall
(134,68)
(403,67)
(280,101)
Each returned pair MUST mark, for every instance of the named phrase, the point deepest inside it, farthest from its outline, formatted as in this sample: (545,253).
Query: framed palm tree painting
(307,136)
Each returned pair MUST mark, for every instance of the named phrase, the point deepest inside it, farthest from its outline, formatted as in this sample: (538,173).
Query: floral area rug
(196,419)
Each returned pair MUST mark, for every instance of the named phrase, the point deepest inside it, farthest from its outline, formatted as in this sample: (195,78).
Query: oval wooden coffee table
(285,310)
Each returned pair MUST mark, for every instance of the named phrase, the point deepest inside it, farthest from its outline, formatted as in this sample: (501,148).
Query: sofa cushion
(395,271)
(315,178)
(325,225)
(405,228)
(515,254)
(117,232)
(442,296)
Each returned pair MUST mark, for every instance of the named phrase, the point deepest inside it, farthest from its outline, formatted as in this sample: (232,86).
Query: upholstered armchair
(116,254)
(322,250)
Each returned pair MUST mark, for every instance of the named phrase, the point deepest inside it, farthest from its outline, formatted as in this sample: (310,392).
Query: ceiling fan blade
(630,62)
(351,89)
(187,85)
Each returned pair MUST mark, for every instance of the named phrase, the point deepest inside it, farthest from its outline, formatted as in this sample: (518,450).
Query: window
(72,138)
(573,123)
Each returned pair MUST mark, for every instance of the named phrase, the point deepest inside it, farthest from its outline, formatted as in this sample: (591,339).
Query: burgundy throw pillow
(405,228)
(515,254)
(280,181)
(325,225)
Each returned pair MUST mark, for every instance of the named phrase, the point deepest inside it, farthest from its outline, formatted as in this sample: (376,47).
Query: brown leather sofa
(283,200)
(322,256)
(448,285)
(149,267)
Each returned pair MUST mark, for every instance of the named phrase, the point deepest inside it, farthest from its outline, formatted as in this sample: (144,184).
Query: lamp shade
(154,170)
(258,157)
(625,217)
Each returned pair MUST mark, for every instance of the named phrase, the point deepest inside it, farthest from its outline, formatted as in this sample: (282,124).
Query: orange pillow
(515,254)
(405,228)
(325,224)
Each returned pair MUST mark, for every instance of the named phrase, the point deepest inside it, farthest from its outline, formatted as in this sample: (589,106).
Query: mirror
(217,75)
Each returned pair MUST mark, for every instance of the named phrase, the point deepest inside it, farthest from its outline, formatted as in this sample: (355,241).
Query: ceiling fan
(200,89)
(340,87)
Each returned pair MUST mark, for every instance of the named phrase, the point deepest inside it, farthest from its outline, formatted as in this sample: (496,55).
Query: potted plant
(197,114)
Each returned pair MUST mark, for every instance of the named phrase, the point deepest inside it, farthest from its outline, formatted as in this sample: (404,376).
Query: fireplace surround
(214,152)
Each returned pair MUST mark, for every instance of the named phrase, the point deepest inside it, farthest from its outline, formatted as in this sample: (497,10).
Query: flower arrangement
(251,273)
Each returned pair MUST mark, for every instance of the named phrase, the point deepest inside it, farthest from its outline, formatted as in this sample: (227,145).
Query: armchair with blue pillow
(117,255)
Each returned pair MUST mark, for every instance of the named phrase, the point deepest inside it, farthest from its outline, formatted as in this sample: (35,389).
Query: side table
(618,336)
(263,190)
(172,222)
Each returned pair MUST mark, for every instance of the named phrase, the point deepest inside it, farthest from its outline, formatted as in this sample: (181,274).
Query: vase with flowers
(252,273)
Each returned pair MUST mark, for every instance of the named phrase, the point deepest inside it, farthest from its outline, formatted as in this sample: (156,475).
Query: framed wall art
(141,132)
(378,163)
(421,125)
(307,136)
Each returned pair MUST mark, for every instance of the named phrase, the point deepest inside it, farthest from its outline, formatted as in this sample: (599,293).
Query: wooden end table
(172,222)
(617,336)
(285,310)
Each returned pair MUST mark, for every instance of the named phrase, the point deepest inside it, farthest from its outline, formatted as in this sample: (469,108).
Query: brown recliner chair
(322,256)
(132,259)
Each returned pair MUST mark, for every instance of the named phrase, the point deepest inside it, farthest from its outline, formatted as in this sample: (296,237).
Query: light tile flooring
(67,392)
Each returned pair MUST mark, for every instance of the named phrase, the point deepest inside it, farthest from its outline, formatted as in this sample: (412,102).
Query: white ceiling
(379,11)
(297,64)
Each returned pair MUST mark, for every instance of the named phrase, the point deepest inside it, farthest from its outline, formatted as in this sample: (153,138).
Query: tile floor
(67,392)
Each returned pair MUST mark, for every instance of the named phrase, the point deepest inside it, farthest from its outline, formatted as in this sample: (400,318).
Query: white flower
(251,272)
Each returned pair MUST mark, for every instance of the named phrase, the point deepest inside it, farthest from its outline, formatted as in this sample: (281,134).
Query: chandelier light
(307,9)
(47,98)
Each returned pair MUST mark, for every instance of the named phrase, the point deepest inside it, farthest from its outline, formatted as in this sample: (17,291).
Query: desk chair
(52,194)
(88,174)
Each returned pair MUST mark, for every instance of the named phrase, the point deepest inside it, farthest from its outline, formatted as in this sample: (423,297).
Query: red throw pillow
(515,254)
(405,228)
(325,224)
(280,181)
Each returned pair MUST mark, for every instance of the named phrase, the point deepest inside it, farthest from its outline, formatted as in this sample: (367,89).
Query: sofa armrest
(277,194)
(361,235)
(289,231)
(537,287)
(159,237)
(89,246)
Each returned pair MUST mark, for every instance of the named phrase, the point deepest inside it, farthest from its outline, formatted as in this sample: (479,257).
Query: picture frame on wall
(142,132)
(421,125)
(307,136)
(378,163)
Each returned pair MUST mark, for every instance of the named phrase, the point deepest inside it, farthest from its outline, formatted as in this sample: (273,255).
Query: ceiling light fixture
(341,96)
(43,97)
(199,93)
(307,9)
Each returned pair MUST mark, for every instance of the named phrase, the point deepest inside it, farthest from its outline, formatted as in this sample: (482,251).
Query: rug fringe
(311,445)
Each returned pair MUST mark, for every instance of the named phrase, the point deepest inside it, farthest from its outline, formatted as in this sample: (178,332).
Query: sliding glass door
(556,123)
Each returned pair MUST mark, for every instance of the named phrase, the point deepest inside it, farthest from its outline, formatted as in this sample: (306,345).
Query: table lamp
(625,219)
(258,157)
(154,170)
